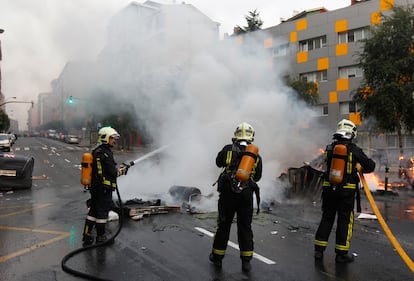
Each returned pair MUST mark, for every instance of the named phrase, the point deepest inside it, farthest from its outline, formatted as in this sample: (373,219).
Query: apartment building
(323,47)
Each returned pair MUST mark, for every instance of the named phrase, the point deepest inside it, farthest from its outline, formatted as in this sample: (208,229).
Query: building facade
(323,46)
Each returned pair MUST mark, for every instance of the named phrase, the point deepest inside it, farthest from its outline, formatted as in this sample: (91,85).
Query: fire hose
(384,225)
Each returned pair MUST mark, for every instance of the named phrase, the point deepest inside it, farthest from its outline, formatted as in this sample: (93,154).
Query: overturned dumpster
(305,182)
(15,171)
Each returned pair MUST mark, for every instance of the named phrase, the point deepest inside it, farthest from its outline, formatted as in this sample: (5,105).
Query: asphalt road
(40,226)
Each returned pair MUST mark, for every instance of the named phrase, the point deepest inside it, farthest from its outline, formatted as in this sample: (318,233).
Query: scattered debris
(112,216)
(367,216)
(42,177)
(140,211)
(137,209)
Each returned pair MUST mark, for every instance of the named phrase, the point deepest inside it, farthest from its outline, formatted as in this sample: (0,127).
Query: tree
(306,91)
(253,23)
(387,59)
(4,121)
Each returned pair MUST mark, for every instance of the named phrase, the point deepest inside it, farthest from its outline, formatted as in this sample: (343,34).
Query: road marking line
(62,235)
(67,160)
(25,210)
(235,246)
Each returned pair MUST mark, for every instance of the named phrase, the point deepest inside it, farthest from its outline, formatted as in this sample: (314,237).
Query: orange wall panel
(341,25)
(355,117)
(302,57)
(386,5)
(342,84)
(268,43)
(301,24)
(293,37)
(375,18)
(323,63)
(341,49)
(333,97)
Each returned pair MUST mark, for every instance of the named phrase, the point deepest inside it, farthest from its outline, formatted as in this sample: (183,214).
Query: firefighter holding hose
(340,188)
(236,184)
(103,183)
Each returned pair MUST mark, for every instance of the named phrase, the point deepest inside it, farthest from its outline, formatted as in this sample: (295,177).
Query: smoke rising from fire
(192,96)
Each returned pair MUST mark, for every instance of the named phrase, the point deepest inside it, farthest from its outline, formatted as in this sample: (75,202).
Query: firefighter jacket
(354,155)
(229,158)
(104,171)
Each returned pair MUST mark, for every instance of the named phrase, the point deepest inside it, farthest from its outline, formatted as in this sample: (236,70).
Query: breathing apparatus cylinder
(86,174)
(246,164)
(337,169)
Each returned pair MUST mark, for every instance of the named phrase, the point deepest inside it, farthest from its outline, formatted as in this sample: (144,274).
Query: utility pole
(1,93)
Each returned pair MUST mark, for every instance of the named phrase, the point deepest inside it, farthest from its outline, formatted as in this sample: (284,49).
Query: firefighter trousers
(229,205)
(340,203)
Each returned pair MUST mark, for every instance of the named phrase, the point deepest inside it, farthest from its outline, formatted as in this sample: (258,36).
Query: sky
(42,36)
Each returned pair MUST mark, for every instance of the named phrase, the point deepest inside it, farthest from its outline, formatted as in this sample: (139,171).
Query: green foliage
(4,121)
(388,63)
(306,91)
(253,23)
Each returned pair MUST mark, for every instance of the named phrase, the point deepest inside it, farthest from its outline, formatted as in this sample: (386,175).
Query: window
(321,110)
(280,50)
(409,141)
(312,44)
(317,76)
(392,140)
(353,35)
(350,71)
(325,109)
(347,107)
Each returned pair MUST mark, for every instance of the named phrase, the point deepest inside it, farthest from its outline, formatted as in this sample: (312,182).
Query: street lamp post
(1,94)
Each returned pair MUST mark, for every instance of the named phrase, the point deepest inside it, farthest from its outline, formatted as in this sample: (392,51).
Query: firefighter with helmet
(340,187)
(104,182)
(236,198)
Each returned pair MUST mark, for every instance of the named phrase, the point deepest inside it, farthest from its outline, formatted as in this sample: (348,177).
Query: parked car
(5,142)
(15,171)
(71,139)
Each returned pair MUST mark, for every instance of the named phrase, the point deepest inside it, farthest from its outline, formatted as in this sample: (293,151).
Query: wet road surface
(38,227)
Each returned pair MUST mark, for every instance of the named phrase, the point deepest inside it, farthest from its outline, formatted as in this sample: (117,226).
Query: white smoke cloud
(194,105)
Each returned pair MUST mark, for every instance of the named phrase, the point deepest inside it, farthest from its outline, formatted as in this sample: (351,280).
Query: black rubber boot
(216,260)
(318,255)
(100,233)
(344,258)
(87,238)
(246,266)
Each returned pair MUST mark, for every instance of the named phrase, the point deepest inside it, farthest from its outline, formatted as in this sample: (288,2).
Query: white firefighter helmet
(105,133)
(245,132)
(346,129)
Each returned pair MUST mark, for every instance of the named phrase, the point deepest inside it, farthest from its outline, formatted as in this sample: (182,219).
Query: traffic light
(70,101)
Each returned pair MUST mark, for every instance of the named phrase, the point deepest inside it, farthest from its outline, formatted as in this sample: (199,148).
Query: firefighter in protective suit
(233,199)
(104,182)
(338,199)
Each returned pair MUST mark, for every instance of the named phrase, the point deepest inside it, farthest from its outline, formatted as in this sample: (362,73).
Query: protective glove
(123,170)
(359,168)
